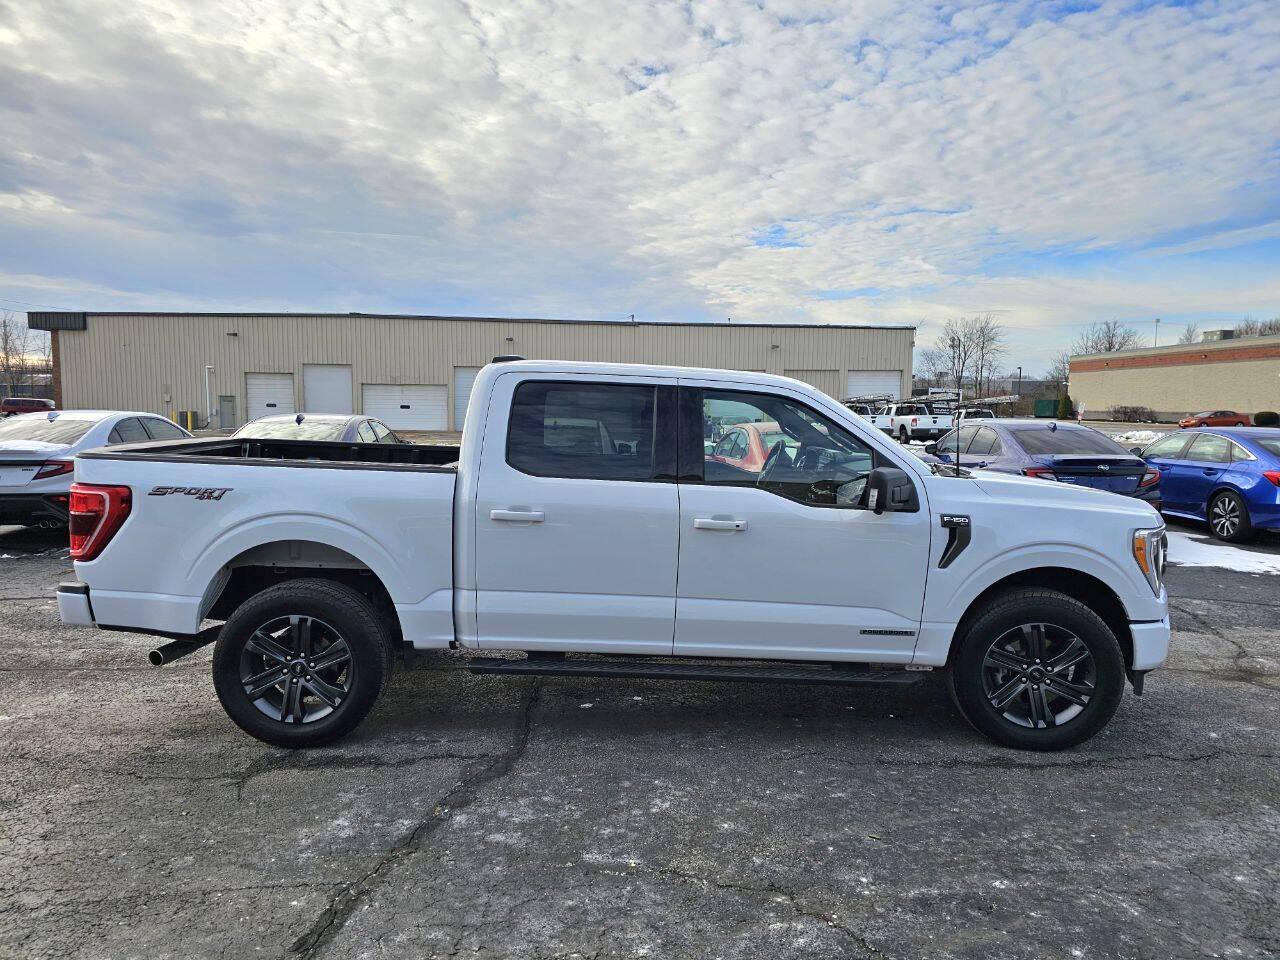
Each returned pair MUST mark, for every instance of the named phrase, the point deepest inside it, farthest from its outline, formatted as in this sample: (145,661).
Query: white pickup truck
(912,420)
(584,531)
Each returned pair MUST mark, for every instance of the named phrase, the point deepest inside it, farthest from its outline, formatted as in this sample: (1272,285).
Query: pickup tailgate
(191,520)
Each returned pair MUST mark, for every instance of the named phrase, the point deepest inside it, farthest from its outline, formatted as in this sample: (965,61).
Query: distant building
(415,372)
(1241,374)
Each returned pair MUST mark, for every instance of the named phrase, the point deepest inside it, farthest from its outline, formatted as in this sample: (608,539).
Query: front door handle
(706,523)
(518,516)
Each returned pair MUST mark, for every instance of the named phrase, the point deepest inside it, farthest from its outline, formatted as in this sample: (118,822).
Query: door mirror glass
(931,449)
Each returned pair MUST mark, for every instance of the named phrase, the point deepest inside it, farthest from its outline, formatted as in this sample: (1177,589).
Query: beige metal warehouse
(415,372)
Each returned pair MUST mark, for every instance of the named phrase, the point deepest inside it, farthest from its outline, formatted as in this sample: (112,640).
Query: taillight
(1273,476)
(54,468)
(1150,478)
(1043,473)
(96,514)
(914,421)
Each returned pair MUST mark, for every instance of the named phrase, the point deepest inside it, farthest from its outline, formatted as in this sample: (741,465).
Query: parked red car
(1216,418)
(13,405)
(746,445)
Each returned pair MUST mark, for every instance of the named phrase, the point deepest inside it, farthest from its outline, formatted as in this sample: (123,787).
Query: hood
(1050,493)
(31,450)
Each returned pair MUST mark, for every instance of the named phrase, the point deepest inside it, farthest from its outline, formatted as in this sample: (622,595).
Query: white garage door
(269,393)
(326,388)
(464,379)
(866,383)
(407,406)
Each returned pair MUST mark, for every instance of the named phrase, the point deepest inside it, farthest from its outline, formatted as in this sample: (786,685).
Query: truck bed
(296,453)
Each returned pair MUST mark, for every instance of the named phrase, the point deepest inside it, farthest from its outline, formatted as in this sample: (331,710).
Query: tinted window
(985,443)
(365,434)
(59,430)
(1169,447)
(287,428)
(128,430)
(818,463)
(1207,448)
(1036,440)
(162,429)
(584,431)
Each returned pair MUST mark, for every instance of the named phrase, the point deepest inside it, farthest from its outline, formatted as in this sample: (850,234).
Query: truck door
(786,561)
(577,516)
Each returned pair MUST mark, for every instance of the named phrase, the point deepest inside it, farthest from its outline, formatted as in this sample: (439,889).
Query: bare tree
(1191,334)
(1059,367)
(988,338)
(16,346)
(1248,327)
(1107,336)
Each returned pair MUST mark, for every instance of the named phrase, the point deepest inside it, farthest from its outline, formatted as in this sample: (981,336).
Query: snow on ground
(1191,550)
(1138,438)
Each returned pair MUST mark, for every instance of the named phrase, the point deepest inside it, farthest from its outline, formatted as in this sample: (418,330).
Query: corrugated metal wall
(156,363)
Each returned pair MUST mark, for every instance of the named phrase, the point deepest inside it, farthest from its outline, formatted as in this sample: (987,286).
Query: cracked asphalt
(515,818)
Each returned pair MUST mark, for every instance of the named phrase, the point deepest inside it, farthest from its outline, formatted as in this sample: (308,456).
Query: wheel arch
(1084,587)
(266,564)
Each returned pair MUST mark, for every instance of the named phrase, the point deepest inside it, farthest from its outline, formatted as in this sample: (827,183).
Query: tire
(1086,689)
(271,639)
(1229,518)
(903,436)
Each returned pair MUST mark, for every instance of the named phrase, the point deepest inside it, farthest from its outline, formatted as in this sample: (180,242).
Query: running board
(661,670)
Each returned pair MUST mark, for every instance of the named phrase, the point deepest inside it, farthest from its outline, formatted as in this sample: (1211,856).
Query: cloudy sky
(862,161)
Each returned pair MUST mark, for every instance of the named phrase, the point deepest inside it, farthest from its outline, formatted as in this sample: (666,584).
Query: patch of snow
(1187,550)
(1139,438)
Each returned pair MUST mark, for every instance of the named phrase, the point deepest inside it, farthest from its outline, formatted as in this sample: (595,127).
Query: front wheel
(302,663)
(1229,518)
(1037,670)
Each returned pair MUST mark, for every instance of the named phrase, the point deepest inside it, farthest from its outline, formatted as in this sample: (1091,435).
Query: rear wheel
(1229,518)
(1037,670)
(302,663)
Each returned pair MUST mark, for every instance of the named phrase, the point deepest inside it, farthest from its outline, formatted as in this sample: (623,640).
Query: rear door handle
(706,523)
(1209,472)
(518,516)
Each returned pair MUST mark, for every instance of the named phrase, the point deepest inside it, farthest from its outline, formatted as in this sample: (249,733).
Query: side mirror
(1136,451)
(889,488)
(931,449)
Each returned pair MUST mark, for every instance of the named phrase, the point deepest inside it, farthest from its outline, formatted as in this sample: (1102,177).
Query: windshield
(311,428)
(1068,440)
(58,430)
(1203,413)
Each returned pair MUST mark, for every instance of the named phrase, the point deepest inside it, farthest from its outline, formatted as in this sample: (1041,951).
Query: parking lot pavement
(507,818)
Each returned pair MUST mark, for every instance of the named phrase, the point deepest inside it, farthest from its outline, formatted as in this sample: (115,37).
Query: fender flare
(206,569)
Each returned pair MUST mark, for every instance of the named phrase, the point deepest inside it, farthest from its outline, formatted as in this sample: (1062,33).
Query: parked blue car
(1229,476)
(1064,452)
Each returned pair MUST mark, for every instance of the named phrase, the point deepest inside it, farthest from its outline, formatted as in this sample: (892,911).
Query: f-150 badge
(200,493)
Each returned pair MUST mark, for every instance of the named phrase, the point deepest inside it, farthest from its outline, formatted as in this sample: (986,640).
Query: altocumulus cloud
(824,161)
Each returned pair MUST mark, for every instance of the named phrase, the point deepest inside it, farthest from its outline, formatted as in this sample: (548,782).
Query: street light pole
(1019,390)
(1157,339)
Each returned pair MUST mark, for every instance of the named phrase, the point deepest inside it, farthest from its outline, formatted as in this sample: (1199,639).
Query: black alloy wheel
(1036,669)
(302,663)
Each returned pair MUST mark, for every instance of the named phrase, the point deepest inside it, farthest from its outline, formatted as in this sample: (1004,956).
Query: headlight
(1150,548)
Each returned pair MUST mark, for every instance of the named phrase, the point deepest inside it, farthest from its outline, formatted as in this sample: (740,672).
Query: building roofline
(1200,346)
(65,320)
